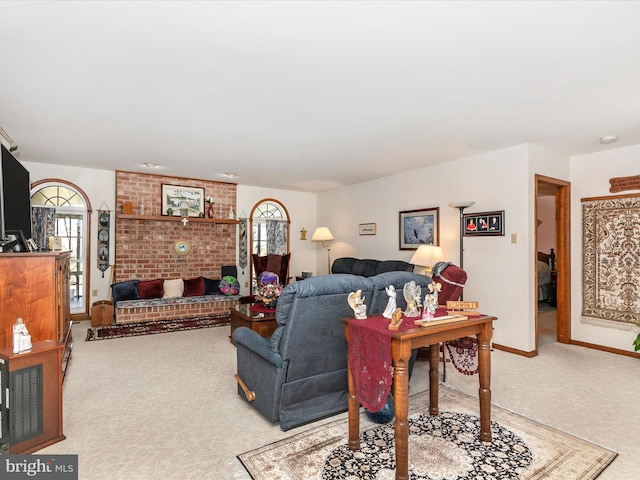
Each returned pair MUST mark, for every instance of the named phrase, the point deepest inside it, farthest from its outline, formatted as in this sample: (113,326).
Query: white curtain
(276,236)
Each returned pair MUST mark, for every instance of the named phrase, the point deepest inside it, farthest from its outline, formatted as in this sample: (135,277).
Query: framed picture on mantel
(176,198)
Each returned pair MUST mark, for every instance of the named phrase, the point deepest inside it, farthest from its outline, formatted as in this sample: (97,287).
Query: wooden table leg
(484,374)
(434,380)
(354,409)
(400,353)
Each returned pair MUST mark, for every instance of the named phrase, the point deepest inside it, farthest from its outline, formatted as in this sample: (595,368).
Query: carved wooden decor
(620,184)
(463,308)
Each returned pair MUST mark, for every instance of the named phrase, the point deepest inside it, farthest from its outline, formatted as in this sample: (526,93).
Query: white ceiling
(313,95)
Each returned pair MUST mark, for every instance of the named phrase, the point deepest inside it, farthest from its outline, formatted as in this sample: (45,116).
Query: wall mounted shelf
(166,218)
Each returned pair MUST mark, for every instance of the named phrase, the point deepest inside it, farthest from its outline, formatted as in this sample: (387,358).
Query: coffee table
(262,323)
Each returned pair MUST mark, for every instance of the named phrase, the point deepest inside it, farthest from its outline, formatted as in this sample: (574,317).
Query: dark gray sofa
(299,375)
(367,267)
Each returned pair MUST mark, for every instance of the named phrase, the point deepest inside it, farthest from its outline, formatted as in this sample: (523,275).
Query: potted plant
(636,343)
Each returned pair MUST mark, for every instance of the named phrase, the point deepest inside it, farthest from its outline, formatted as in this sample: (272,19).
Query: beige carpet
(166,406)
(441,447)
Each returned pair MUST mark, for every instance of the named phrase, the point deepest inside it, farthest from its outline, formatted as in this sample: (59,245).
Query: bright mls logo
(57,467)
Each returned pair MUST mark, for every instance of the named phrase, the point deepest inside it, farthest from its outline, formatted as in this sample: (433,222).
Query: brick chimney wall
(145,249)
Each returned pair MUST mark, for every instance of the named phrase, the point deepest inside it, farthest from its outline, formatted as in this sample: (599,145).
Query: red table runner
(370,358)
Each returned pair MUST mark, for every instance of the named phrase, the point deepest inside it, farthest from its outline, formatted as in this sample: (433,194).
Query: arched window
(269,230)
(60,209)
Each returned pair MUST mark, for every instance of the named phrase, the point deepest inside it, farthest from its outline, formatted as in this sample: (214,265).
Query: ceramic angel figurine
(412,294)
(391,304)
(356,302)
(431,300)
(21,337)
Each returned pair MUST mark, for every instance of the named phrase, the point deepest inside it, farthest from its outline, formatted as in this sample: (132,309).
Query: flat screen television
(15,197)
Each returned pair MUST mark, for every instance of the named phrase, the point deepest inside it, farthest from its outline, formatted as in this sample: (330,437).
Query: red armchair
(278,264)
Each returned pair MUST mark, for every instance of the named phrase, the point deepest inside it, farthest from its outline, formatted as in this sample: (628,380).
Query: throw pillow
(151,288)
(193,287)
(211,286)
(229,285)
(125,290)
(173,288)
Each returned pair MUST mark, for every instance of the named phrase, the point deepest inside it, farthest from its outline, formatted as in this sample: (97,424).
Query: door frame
(563,255)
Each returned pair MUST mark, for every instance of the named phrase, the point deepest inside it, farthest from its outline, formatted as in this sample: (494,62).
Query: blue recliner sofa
(299,375)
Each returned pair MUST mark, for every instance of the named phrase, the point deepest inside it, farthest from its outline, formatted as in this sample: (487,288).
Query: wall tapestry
(242,244)
(611,266)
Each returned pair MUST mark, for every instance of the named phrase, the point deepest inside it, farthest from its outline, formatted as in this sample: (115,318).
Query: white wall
(590,176)
(500,272)
(547,229)
(99,186)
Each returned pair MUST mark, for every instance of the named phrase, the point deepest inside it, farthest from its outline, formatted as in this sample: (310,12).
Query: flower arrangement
(209,200)
(268,293)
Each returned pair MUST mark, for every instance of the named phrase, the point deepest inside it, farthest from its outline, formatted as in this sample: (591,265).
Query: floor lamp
(323,234)
(461,206)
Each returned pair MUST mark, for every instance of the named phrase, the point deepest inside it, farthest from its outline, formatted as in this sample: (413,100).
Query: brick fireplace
(145,247)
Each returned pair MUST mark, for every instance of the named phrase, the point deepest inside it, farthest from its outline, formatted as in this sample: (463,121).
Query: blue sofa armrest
(257,344)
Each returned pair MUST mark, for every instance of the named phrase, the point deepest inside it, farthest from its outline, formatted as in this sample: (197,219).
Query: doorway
(552,202)
(61,209)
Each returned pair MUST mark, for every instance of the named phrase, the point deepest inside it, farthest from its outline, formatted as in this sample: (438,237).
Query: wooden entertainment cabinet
(35,287)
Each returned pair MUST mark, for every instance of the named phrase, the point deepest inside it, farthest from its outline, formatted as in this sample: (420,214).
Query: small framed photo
(367,229)
(176,199)
(483,224)
(419,227)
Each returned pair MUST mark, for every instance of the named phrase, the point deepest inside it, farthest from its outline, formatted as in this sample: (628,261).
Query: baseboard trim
(523,353)
(602,348)
(594,346)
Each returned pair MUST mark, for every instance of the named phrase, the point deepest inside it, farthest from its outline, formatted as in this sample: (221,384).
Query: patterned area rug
(445,446)
(160,326)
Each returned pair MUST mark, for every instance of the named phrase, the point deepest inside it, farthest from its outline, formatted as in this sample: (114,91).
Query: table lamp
(426,256)
(323,234)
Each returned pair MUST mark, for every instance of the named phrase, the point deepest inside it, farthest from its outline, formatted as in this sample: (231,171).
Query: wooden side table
(262,323)
(401,344)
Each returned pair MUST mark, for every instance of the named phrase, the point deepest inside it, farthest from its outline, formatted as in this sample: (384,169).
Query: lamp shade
(427,256)
(321,234)
(462,204)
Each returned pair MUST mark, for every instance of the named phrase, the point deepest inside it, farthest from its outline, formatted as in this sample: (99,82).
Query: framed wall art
(175,199)
(419,227)
(483,223)
(367,229)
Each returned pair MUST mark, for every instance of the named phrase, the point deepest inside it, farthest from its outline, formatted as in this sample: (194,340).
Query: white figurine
(21,337)
(391,304)
(356,302)
(412,294)
(431,300)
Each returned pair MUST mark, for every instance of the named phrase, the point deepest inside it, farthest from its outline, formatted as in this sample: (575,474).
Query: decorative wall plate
(182,247)
(103,218)
(103,235)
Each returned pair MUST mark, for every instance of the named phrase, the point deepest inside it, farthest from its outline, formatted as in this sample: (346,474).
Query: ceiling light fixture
(150,165)
(607,139)
(231,175)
